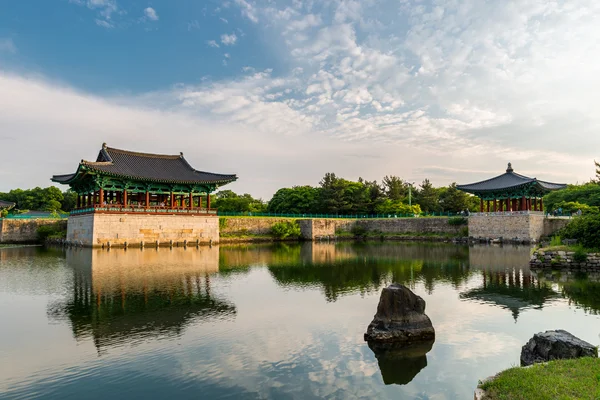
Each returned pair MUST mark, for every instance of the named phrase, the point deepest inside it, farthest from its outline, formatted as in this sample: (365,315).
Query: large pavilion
(126,181)
(511,192)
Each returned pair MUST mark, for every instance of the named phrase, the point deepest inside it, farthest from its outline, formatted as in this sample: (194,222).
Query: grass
(376,235)
(560,379)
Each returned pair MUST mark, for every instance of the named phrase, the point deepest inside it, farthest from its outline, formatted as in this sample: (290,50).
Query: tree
(229,201)
(395,188)
(454,200)
(597,164)
(428,197)
(296,200)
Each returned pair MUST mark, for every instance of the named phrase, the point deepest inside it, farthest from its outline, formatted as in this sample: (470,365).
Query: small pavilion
(6,205)
(511,192)
(126,181)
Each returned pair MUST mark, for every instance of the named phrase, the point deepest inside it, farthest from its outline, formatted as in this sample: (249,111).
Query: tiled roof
(147,167)
(6,204)
(508,180)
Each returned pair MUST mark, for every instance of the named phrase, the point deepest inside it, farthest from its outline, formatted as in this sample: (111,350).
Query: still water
(270,321)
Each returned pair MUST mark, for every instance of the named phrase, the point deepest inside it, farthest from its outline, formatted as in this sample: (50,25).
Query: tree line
(335,195)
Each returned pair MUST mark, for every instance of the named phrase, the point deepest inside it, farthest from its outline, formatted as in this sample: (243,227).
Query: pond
(270,321)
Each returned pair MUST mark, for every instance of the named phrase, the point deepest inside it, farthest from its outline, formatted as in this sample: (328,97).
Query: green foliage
(464,231)
(391,207)
(586,194)
(458,221)
(358,230)
(50,231)
(47,199)
(586,229)
(597,165)
(222,223)
(3,213)
(556,241)
(297,200)
(428,197)
(229,201)
(286,229)
(454,200)
(580,255)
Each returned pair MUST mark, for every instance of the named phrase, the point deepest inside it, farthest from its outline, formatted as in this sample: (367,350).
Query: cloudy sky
(281,92)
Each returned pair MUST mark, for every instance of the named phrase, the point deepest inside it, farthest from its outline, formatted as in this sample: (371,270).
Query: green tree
(296,200)
(229,201)
(428,197)
(454,200)
(588,193)
(395,187)
(597,164)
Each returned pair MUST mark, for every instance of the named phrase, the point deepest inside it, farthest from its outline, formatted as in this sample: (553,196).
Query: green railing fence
(342,216)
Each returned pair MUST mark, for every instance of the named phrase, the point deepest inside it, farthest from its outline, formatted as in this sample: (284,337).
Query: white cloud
(150,13)
(212,43)
(248,10)
(103,23)
(228,40)
(224,20)
(7,45)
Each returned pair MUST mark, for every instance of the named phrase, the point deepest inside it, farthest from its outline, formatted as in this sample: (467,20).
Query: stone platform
(135,230)
(525,226)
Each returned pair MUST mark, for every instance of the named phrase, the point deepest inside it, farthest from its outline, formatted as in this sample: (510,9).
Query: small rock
(555,345)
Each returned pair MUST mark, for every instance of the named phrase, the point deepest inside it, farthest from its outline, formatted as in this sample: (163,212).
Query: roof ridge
(136,153)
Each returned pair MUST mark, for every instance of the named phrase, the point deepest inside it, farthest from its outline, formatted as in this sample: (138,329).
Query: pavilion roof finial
(104,145)
(510,168)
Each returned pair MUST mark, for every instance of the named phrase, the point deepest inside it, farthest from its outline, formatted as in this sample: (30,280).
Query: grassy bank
(560,379)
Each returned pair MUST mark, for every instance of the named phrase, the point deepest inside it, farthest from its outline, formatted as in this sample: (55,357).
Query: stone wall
(320,228)
(23,230)
(564,259)
(132,229)
(522,227)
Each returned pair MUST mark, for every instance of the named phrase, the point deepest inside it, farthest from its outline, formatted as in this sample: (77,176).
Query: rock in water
(555,345)
(400,318)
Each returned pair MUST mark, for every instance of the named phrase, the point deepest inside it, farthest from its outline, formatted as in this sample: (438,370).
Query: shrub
(358,230)
(464,232)
(286,229)
(222,222)
(50,231)
(580,255)
(586,229)
(556,241)
(458,221)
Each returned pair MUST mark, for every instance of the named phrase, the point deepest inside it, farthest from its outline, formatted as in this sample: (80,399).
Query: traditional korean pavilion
(6,205)
(511,192)
(126,181)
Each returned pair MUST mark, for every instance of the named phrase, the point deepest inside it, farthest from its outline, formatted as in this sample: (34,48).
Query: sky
(282,92)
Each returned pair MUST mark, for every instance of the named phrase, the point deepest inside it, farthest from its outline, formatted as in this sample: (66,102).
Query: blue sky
(281,92)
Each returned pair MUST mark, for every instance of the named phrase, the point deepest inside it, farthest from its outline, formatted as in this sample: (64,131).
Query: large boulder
(400,319)
(555,345)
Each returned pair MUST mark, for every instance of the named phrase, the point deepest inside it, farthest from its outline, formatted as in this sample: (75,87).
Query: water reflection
(400,365)
(128,296)
(347,268)
(582,289)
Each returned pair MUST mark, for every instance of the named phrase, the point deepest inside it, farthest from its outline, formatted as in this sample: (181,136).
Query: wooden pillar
(147,199)
(495,205)
(101,201)
(125,197)
(191,201)
(535,203)
(78,201)
(523,205)
(481,204)
(541,204)
(488,206)
(208,200)
(199,201)
(172,200)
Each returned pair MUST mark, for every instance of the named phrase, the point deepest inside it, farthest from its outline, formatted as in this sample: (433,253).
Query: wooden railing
(140,209)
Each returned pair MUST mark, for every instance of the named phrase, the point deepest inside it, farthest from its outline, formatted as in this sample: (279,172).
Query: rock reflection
(128,296)
(507,281)
(399,365)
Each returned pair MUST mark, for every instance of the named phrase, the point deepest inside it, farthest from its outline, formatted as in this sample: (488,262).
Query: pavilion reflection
(507,281)
(129,296)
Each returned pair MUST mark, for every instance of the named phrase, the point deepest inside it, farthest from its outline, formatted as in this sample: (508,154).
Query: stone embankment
(321,228)
(565,259)
(24,230)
